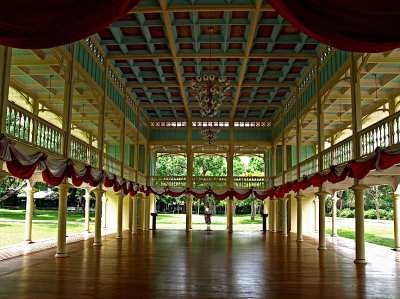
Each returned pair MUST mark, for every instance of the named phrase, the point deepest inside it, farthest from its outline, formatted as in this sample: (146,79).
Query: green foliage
(206,165)
(370,214)
(369,237)
(169,165)
(347,213)
(238,166)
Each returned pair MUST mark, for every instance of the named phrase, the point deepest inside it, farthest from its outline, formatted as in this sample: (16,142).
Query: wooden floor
(176,264)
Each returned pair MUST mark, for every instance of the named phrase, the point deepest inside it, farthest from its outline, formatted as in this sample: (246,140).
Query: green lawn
(373,238)
(13,232)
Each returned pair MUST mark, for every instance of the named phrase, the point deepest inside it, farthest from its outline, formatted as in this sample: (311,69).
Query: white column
(103,208)
(266,211)
(29,214)
(322,195)
(147,213)
(396,209)
(87,210)
(284,216)
(97,222)
(62,220)
(299,198)
(119,215)
(189,201)
(334,212)
(359,205)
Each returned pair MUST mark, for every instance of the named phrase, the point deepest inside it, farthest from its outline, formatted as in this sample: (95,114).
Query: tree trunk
(376,200)
(253,210)
(234,209)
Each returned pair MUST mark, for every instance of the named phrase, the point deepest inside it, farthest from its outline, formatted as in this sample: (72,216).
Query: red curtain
(45,23)
(353,25)
(22,171)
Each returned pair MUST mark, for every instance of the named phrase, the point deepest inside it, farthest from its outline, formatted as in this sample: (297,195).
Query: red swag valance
(353,25)
(45,24)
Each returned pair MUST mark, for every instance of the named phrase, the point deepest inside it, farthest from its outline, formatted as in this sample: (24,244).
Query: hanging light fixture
(210,134)
(210,90)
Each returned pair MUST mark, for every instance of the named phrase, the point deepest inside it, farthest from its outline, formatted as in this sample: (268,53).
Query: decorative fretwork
(219,124)
(307,78)
(325,54)
(243,182)
(290,102)
(168,124)
(115,79)
(252,124)
(95,51)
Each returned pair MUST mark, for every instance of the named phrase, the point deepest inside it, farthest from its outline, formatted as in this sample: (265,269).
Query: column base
(86,231)
(134,232)
(334,235)
(61,255)
(28,242)
(321,248)
(299,240)
(396,249)
(360,261)
(118,237)
(97,244)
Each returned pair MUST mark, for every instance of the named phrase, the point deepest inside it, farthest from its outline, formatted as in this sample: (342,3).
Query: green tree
(256,165)
(207,165)
(169,165)
(238,166)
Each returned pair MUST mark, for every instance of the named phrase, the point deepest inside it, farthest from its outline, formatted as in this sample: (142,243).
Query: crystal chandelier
(210,90)
(209,134)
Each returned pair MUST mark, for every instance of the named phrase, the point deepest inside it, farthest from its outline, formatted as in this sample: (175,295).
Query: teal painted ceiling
(161,45)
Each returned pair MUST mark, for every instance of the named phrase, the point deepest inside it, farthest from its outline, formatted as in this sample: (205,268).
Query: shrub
(347,213)
(370,214)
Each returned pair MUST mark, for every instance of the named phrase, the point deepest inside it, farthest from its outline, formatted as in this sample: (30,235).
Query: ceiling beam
(171,8)
(186,84)
(249,45)
(215,55)
(172,46)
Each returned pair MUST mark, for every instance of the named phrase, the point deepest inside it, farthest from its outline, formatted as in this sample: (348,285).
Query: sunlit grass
(369,237)
(41,215)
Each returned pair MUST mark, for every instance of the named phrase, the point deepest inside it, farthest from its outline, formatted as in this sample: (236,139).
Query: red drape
(353,25)
(22,171)
(45,23)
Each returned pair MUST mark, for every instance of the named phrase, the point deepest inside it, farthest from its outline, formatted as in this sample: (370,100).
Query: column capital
(322,194)
(98,192)
(300,196)
(119,194)
(64,186)
(30,190)
(335,198)
(359,188)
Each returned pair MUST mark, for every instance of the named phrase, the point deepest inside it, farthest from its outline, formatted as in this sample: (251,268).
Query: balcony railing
(27,127)
(210,181)
(84,153)
(244,182)
(338,153)
(168,181)
(381,134)
(291,174)
(129,173)
(112,165)
(309,166)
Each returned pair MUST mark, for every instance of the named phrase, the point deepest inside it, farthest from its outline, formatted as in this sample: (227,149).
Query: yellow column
(5,66)
(130,212)
(278,223)
(396,209)
(284,216)
(104,200)
(396,215)
(189,201)
(316,210)
(97,222)
(140,212)
(273,215)
(147,213)
(87,209)
(334,212)
(229,215)
(299,198)
(359,205)
(322,195)
(62,220)
(152,208)
(119,215)
(143,201)
(29,213)
(134,214)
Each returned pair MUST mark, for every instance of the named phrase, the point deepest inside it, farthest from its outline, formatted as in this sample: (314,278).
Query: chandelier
(210,90)
(209,134)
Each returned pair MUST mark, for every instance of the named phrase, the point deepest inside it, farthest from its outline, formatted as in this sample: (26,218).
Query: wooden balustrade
(129,173)
(112,165)
(381,134)
(27,127)
(83,152)
(244,182)
(168,181)
(309,166)
(210,181)
(338,153)
(291,174)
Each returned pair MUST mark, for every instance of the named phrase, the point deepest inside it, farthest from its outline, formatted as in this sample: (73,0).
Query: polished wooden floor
(176,264)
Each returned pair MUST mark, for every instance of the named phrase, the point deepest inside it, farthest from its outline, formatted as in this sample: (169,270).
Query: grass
(13,232)
(41,215)
(369,237)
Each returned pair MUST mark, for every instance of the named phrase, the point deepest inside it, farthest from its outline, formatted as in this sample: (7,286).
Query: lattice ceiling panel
(160,46)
